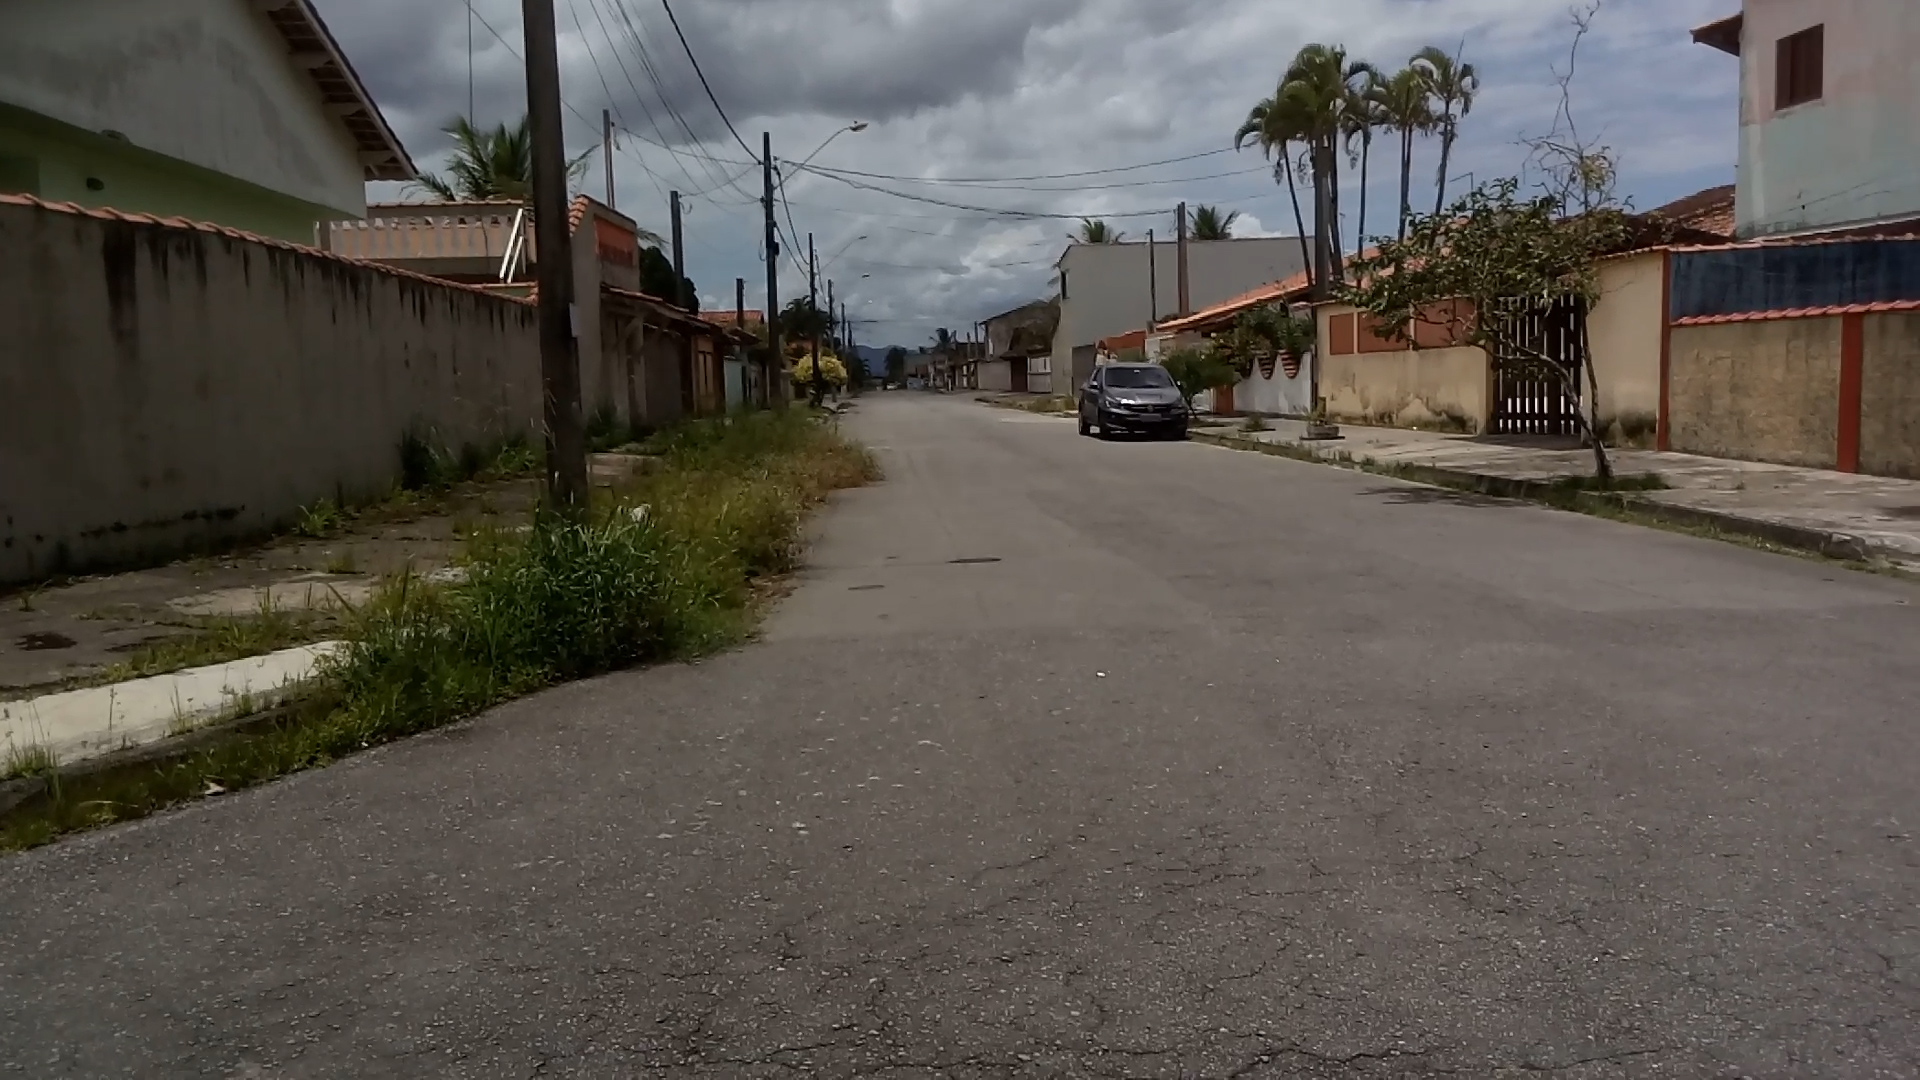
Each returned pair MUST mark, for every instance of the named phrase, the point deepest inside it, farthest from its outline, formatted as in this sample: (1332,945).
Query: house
(643,359)
(1109,289)
(1012,341)
(1827,89)
(242,113)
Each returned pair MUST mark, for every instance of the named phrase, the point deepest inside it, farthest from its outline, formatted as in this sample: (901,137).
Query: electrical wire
(704,85)
(1002,211)
(1040,176)
(1077,187)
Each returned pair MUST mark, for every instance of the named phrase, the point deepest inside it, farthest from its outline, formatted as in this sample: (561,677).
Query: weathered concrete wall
(206,82)
(1766,390)
(1623,336)
(1445,389)
(1854,154)
(168,387)
(1890,394)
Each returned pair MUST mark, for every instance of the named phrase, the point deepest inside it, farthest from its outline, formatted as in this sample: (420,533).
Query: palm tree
(1450,83)
(1274,124)
(1208,223)
(1364,114)
(1406,108)
(1096,231)
(497,164)
(1322,81)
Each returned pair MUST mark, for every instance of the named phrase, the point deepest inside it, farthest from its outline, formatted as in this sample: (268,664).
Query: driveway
(1070,758)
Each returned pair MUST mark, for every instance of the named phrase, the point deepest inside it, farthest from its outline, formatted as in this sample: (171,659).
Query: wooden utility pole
(1186,300)
(679,297)
(740,324)
(813,316)
(566,443)
(606,150)
(777,357)
(1153,282)
(833,329)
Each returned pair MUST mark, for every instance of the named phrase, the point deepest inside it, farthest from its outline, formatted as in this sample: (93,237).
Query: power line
(1040,176)
(704,85)
(1002,211)
(1077,187)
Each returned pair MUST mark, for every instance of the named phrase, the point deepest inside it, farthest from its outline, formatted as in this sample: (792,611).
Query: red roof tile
(1709,211)
(1801,313)
(109,214)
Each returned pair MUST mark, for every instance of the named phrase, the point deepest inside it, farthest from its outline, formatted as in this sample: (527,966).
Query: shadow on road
(1426,496)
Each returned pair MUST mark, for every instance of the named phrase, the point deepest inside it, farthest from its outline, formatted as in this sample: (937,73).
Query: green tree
(1451,85)
(802,320)
(1490,256)
(1194,370)
(1096,231)
(495,163)
(1365,114)
(1406,107)
(1274,124)
(1322,81)
(896,365)
(1209,223)
(656,279)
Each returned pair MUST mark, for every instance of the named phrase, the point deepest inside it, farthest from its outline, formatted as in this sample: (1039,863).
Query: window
(1138,378)
(1799,67)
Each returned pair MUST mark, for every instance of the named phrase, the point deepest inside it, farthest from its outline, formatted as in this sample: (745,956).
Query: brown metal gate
(1527,398)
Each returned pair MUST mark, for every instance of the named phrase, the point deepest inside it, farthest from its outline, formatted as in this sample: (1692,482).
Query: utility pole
(777,357)
(740,324)
(833,323)
(813,313)
(1181,263)
(566,443)
(1153,282)
(679,256)
(606,150)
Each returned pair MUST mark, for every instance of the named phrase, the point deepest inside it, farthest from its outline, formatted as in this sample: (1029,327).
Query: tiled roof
(1722,34)
(108,214)
(311,46)
(1709,211)
(725,318)
(1132,339)
(1876,308)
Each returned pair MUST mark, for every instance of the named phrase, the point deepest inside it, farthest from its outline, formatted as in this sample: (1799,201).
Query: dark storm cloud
(1013,87)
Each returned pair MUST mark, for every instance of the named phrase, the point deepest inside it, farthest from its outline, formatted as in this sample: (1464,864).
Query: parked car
(1132,399)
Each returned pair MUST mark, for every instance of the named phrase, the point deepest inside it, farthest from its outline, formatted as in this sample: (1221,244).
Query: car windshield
(1137,378)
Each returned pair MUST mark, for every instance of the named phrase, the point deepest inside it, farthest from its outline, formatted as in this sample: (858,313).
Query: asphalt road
(1226,766)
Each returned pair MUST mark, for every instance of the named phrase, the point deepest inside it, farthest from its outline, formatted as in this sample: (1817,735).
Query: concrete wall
(1854,154)
(997,374)
(1890,394)
(167,386)
(204,82)
(1764,390)
(1623,336)
(1368,379)
(1108,292)
(1278,395)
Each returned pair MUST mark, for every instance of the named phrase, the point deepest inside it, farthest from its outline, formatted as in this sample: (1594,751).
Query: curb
(1822,542)
(18,792)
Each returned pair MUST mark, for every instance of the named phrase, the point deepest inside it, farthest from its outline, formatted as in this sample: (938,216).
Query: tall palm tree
(1096,231)
(1450,84)
(1208,223)
(1364,114)
(1274,124)
(1406,108)
(1321,80)
(497,163)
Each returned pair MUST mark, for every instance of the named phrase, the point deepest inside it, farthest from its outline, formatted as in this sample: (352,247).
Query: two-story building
(243,113)
(1828,88)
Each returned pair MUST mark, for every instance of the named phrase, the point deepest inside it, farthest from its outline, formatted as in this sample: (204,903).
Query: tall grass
(662,569)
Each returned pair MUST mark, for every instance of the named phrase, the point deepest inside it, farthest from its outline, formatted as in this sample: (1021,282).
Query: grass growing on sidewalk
(664,569)
(221,640)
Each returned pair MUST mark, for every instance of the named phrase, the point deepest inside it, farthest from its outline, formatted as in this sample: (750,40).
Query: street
(1073,758)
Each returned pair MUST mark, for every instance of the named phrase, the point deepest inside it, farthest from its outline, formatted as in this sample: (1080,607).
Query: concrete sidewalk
(1840,514)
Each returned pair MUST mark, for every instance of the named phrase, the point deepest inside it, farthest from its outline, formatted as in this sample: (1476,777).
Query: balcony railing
(426,231)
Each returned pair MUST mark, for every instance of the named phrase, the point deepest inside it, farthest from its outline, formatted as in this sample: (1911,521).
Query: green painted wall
(60,163)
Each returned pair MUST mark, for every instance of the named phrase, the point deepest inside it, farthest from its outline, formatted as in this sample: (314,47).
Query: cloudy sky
(1014,93)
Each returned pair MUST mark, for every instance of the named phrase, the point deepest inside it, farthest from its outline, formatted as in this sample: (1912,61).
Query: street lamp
(856,127)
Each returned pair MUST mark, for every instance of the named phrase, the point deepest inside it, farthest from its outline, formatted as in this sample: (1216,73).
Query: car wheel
(1085,428)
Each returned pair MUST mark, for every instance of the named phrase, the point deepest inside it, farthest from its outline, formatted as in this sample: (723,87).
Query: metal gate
(1527,399)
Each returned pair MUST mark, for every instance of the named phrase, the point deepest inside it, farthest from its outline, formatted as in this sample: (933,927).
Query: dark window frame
(1800,63)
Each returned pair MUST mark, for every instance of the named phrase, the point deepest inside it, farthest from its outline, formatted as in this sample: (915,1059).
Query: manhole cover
(43,641)
(972,561)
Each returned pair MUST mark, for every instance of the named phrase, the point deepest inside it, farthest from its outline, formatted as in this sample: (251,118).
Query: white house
(239,112)
(1109,289)
(1827,97)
